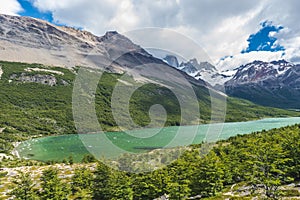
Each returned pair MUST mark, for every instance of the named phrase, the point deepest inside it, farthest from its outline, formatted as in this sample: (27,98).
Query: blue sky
(231,32)
(30,10)
(263,41)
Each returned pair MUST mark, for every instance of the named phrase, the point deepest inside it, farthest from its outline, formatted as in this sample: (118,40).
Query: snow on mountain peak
(199,70)
(258,71)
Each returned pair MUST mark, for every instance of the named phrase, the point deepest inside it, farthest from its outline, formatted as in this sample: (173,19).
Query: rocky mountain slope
(274,83)
(25,39)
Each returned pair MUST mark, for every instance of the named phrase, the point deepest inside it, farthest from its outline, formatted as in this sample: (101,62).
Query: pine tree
(24,187)
(82,183)
(100,182)
(52,186)
(209,176)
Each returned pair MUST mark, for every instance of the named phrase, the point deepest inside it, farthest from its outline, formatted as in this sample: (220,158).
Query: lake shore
(15,152)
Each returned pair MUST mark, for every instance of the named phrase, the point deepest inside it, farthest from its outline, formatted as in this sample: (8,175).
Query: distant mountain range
(199,70)
(275,83)
(25,39)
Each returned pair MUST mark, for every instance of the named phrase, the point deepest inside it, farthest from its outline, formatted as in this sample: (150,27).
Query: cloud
(10,7)
(221,27)
(233,62)
(211,23)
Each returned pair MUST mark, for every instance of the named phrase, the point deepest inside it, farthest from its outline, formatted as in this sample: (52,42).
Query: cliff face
(38,78)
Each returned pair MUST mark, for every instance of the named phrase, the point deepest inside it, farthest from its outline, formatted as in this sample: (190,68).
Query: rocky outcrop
(38,78)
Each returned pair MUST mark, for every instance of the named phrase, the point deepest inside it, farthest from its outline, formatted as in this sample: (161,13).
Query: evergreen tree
(119,186)
(209,176)
(100,182)
(71,160)
(52,186)
(24,187)
(178,180)
(88,159)
(291,145)
(82,183)
(267,165)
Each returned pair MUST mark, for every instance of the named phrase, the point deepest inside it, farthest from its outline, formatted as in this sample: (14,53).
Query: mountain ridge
(202,70)
(275,83)
(30,40)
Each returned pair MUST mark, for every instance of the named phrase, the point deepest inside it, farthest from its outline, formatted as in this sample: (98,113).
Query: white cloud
(272,34)
(221,27)
(10,7)
(230,63)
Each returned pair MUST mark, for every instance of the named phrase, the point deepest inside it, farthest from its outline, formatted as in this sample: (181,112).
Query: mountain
(25,39)
(275,83)
(199,70)
(30,40)
(39,69)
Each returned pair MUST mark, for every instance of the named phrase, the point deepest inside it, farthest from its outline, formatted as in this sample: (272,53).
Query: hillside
(36,100)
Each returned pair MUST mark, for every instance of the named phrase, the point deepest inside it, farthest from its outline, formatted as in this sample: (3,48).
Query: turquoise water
(112,144)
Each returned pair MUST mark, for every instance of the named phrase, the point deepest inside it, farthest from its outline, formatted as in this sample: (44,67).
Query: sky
(231,32)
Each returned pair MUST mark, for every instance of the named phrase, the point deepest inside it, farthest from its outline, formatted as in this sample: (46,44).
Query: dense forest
(262,162)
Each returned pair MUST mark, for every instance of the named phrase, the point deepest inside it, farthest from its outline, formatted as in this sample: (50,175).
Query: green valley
(30,108)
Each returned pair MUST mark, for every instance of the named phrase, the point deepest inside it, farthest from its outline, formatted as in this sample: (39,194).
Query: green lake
(112,144)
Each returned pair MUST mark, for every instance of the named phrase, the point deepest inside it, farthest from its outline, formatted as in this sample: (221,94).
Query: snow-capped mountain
(199,70)
(258,71)
(25,39)
(275,83)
